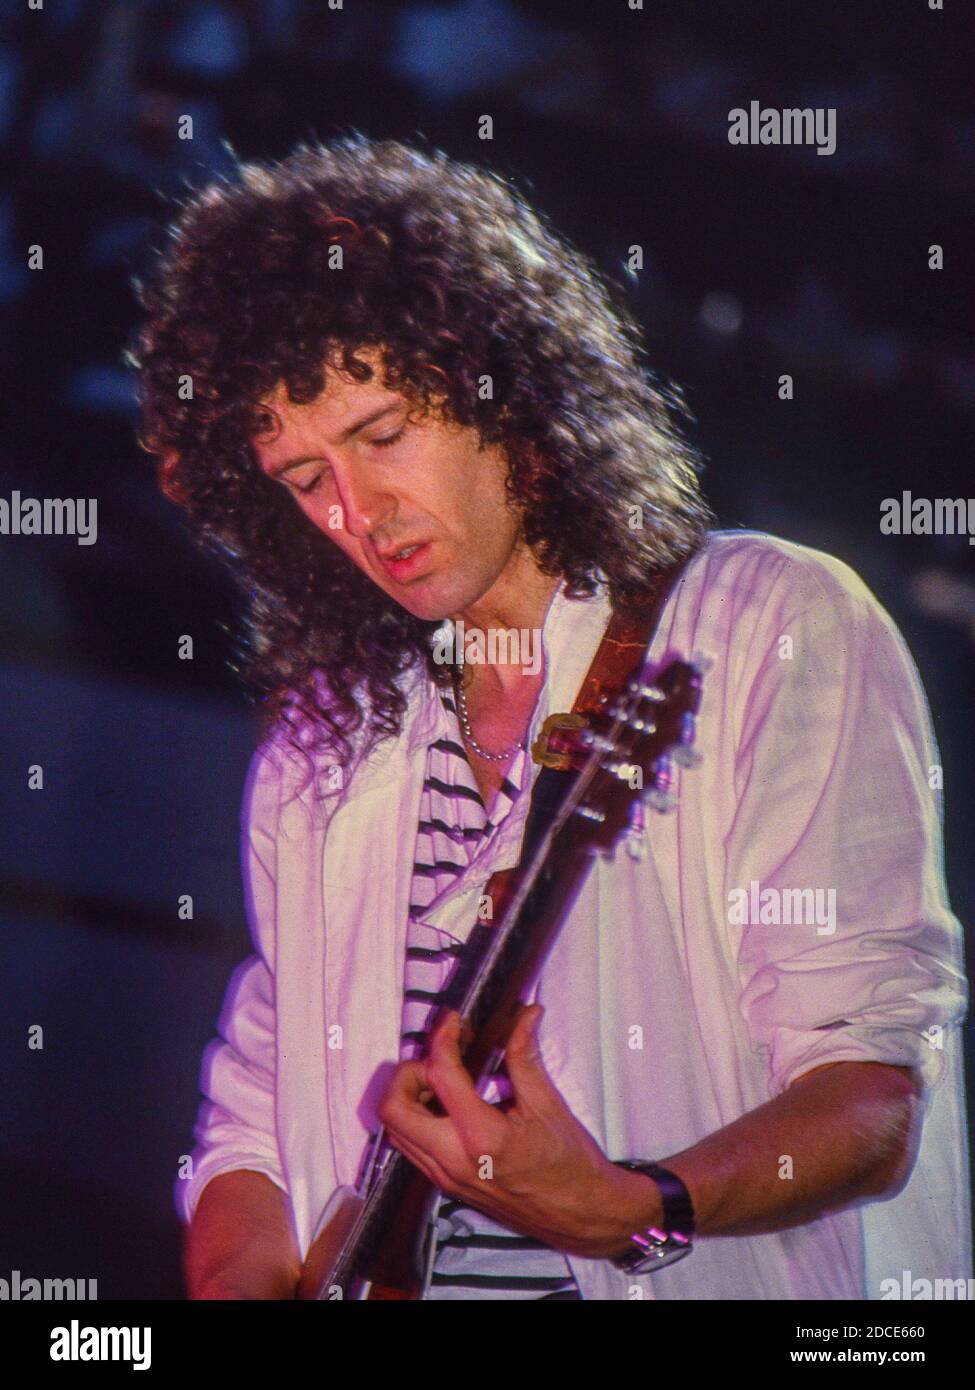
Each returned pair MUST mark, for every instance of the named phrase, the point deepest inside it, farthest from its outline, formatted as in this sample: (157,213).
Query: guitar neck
(490,983)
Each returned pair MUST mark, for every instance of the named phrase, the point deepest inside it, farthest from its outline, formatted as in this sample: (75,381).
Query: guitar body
(318,1274)
(395,1270)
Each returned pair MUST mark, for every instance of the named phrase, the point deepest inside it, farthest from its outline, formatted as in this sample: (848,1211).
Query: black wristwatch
(657,1246)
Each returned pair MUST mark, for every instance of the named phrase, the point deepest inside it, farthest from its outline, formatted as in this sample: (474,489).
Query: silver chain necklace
(465,724)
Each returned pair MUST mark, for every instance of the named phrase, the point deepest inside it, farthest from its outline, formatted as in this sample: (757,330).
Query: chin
(435,598)
(429,607)
(430,611)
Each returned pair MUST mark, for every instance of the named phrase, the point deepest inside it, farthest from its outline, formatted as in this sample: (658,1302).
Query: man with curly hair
(413,406)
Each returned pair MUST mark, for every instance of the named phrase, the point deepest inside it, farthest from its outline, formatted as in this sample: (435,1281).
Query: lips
(404,568)
(396,551)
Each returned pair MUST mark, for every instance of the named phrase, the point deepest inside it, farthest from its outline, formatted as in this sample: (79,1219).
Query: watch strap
(678,1209)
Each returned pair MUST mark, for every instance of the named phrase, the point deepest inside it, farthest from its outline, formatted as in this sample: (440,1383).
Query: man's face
(374,482)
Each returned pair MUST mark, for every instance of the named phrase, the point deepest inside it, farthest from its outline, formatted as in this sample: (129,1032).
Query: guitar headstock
(638,737)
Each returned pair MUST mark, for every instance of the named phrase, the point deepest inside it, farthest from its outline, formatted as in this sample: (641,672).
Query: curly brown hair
(449,271)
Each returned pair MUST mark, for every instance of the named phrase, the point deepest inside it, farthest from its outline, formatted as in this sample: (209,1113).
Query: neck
(518,601)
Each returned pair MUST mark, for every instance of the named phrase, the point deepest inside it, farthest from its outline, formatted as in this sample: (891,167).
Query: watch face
(652,1250)
(647,1264)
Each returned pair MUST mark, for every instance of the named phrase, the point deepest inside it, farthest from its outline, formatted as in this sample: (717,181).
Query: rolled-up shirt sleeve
(235,1125)
(854,954)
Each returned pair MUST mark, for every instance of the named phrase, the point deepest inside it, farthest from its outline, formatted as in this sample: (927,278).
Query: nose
(365,507)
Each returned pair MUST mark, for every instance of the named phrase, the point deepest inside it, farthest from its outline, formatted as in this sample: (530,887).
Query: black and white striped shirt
(476,1258)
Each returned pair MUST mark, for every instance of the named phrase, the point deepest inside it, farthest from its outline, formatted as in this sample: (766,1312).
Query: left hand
(532,1166)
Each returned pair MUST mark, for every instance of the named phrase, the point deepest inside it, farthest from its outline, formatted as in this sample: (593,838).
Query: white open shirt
(815,775)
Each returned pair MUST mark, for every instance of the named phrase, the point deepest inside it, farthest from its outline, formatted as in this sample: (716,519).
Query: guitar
(371,1240)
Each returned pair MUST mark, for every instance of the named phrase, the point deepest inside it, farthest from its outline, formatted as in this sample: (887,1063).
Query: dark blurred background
(758,261)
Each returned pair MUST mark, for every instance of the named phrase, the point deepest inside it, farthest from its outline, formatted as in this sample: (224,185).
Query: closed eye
(390,439)
(309,487)
(384,443)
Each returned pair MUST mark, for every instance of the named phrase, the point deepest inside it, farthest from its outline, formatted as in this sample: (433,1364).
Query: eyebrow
(346,435)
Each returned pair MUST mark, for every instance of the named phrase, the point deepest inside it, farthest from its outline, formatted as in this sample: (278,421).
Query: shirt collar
(571,632)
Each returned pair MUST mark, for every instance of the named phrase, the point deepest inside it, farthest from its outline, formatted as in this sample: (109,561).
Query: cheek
(479,498)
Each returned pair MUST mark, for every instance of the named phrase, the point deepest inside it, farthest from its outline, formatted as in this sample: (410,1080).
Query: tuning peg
(625,772)
(642,726)
(682,753)
(686,757)
(648,692)
(660,801)
(659,796)
(663,772)
(633,837)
